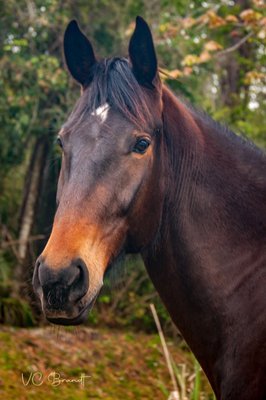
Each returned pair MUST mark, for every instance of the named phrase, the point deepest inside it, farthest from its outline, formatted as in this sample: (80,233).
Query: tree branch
(235,46)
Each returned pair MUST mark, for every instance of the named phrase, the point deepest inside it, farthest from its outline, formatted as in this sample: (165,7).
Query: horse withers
(144,173)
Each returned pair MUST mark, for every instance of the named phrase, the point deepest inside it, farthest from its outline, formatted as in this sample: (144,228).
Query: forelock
(114,84)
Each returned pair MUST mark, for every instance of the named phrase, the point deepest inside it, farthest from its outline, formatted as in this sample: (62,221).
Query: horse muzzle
(63,291)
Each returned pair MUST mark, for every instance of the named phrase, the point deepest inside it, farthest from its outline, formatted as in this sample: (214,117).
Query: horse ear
(142,54)
(79,54)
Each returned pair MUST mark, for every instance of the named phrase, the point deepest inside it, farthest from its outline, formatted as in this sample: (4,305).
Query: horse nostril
(81,283)
(61,288)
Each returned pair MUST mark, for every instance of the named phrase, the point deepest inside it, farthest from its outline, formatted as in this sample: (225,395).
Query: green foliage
(15,312)
(5,262)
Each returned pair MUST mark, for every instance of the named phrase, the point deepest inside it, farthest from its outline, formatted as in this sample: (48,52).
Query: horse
(144,172)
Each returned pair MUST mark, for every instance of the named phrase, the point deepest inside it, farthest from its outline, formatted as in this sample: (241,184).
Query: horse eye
(141,146)
(59,142)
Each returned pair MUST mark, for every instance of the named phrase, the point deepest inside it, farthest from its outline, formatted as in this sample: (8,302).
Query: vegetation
(211,53)
(121,366)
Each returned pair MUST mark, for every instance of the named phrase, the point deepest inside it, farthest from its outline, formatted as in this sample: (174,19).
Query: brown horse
(144,173)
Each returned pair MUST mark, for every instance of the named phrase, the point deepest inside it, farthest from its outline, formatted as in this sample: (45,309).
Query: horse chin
(79,319)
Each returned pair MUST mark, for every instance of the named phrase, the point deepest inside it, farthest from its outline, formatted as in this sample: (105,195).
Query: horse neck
(205,226)
(204,159)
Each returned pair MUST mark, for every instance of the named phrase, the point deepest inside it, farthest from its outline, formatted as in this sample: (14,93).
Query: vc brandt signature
(53,378)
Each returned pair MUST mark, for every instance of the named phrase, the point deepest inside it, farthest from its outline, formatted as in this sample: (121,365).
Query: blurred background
(211,53)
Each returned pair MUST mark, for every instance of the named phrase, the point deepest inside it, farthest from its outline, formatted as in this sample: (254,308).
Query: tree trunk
(231,70)
(30,200)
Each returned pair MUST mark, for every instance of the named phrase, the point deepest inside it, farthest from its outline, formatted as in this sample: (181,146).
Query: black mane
(114,83)
(223,130)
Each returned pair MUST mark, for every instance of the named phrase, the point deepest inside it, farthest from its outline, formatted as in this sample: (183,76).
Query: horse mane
(237,138)
(114,83)
(186,117)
